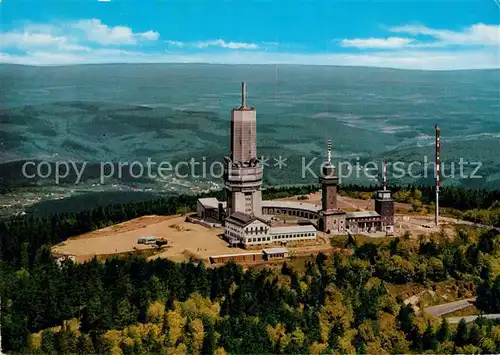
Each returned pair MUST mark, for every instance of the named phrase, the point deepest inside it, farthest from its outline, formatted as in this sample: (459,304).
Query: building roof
(362,214)
(209,202)
(233,255)
(275,250)
(304,206)
(292,229)
(338,211)
(243,219)
(383,193)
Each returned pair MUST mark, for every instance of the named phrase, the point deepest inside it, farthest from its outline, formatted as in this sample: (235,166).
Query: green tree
(48,342)
(443,332)
(405,318)
(84,345)
(462,333)
(209,341)
(429,338)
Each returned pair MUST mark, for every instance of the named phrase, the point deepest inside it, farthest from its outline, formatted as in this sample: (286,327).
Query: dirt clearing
(184,239)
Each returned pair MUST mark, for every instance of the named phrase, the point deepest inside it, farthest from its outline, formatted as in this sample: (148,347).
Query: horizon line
(248,65)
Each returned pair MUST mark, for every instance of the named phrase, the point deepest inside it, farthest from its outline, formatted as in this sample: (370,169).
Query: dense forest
(334,304)
(25,234)
(326,304)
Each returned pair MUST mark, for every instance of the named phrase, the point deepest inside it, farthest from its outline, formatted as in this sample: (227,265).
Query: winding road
(443,309)
(451,307)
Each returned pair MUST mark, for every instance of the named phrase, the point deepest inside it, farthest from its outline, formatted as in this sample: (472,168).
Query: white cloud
(38,40)
(175,43)
(478,34)
(391,42)
(72,36)
(98,32)
(91,41)
(475,35)
(223,44)
(26,39)
(220,43)
(150,35)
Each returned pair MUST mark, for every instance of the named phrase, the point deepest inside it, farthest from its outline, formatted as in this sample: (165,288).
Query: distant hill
(175,112)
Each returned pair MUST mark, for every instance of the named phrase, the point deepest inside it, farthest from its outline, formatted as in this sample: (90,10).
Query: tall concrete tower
(329,181)
(384,205)
(242,172)
(332,219)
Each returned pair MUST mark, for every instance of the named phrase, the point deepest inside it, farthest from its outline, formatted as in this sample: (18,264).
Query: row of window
(263,239)
(298,235)
(281,237)
(256,229)
(248,202)
(232,228)
(291,213)
(235,235)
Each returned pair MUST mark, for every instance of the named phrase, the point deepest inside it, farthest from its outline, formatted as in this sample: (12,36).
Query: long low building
(263,255)
(247,231)
(275,253)
(291,208)
(292,233)
(242,257)
(210,207)
(354,222)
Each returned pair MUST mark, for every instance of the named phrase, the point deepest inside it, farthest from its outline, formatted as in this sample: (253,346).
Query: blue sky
(425,34)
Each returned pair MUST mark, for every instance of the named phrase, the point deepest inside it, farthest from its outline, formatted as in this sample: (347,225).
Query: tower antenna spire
(243,94)
(329,151)
(385,175)
(438,163)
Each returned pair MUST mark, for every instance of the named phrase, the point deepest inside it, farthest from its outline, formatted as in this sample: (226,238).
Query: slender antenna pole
(385,175)
(438,163)
(329,151)
(243,94)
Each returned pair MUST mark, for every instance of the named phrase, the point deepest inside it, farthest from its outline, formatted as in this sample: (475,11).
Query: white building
(295,233)
(243,229)
(247,231)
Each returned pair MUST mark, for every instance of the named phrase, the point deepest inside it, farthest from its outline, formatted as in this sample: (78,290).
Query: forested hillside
(326,304)
(333,304)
